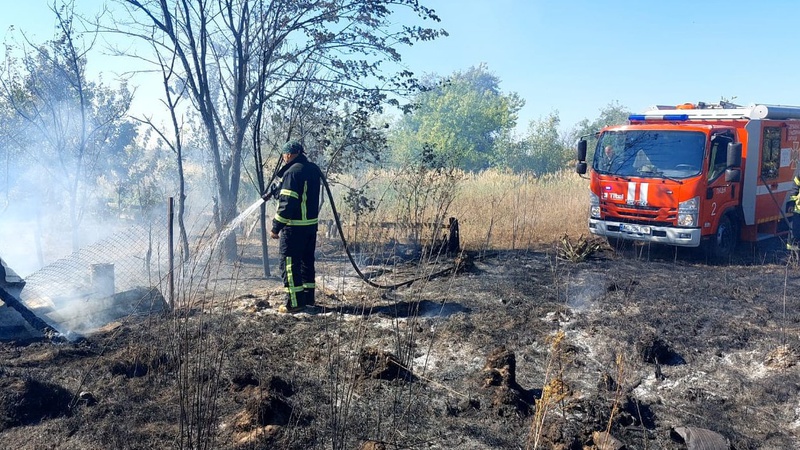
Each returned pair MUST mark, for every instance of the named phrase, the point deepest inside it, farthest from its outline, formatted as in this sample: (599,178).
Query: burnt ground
(642,347)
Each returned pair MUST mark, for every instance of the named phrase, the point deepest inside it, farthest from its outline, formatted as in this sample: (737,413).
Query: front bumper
(682,237)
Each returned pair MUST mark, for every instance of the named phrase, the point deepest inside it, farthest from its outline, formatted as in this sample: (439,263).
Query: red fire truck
(695,174)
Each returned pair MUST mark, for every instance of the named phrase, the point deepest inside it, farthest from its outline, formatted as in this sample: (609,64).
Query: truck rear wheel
(720,247)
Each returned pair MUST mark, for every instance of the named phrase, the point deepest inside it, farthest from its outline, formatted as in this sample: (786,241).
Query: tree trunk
(264,240)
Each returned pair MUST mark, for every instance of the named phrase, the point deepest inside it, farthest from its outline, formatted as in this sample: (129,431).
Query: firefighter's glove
(271,192)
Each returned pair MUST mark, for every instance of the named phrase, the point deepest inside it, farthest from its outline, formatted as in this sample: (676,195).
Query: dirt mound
(25,401)
(500,380)
(262,418)
(382,365)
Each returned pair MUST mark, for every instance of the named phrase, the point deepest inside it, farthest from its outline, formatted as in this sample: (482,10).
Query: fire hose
(273,191)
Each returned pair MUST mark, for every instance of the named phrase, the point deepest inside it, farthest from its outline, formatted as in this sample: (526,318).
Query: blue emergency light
(668,117)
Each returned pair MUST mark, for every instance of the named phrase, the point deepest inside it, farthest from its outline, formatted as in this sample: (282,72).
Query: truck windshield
(650,153)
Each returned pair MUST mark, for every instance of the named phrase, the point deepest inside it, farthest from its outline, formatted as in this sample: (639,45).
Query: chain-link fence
(126,273)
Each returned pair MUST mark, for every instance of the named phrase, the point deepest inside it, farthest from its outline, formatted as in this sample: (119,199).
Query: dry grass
(577,250)
(512,211)
(495,209)
(554,392)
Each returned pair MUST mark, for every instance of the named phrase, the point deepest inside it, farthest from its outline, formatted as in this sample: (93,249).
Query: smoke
(118,219)
(584,291)
(34,234)
(37,241)
(29,237)
(102,282)
(18,248)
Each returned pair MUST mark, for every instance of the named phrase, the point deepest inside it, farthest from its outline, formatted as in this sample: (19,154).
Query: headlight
(594,205)
(687,212)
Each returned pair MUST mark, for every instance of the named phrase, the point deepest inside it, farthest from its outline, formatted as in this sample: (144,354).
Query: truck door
(719,193)
(775,178)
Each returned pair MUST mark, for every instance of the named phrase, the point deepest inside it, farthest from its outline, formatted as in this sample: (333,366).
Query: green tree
(461,118)
(611,114)
(543,148)
(237,57)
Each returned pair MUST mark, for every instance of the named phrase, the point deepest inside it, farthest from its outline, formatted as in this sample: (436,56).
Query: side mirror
(734,156)
(733,175)
(581,167)
(582,150)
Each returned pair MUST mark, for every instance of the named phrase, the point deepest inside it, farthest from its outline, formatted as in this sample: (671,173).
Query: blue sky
(576,57)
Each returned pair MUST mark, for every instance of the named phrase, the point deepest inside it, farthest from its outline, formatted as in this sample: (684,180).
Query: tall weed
(495,209)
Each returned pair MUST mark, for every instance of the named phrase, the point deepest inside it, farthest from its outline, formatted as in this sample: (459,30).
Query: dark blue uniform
(296,220)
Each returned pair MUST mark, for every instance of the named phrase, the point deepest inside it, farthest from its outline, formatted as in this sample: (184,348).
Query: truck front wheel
(720,247)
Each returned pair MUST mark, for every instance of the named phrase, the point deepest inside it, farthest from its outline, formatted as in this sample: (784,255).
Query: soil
(636,348)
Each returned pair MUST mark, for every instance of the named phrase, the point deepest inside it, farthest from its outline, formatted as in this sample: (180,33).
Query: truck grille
(639,214)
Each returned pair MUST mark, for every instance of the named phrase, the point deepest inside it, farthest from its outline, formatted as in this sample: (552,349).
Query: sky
(578,56)
(575,57)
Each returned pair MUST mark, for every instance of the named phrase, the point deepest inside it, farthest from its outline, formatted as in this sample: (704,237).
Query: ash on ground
(520,350)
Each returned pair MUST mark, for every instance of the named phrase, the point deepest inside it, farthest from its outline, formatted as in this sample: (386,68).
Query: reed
(495,209)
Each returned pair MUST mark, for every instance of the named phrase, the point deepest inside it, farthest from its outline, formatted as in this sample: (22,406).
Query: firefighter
(295,224)
(608,157)
(794,240)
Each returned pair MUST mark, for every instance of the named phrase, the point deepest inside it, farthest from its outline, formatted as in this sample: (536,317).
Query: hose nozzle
(271,192)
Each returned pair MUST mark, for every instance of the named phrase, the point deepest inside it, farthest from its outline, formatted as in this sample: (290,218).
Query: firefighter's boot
(297,305)
(290,310)
(308,296)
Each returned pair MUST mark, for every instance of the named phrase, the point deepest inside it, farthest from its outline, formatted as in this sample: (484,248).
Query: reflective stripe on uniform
(796,197)
(289,193)
(303,206)
(304,220)
(292,289)
(295,222)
